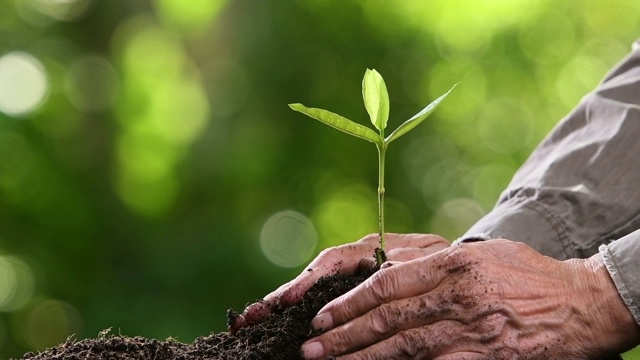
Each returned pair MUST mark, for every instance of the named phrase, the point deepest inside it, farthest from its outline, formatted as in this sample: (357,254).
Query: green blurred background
(152,176)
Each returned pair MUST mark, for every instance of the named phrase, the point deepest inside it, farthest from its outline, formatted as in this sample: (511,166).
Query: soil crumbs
(278,337)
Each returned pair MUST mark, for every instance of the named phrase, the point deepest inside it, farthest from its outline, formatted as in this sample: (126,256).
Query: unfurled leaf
(339,122)
(417,118)
(376,98)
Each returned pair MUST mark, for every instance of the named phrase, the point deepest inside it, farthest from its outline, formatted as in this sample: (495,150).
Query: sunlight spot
(288,239)
(64,10)
(505,126)
(578,77)
(162,109)
(189,15)
(468,98)
(455,217)
(49,323)
(92,84)
(488,181)
(149,197)
(348,212)
(16,283)
(549,41)
(23,83)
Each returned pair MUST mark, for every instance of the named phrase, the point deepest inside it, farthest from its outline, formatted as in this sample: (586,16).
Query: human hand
(343,259)
(485,300)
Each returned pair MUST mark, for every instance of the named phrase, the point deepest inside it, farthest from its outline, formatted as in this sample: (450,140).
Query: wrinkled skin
(485,300)
(342,259)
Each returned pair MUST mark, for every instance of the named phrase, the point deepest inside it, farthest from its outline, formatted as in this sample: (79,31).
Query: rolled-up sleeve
(580,188)
(622,258)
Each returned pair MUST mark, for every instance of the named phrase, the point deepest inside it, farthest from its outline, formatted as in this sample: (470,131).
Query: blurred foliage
(150,168)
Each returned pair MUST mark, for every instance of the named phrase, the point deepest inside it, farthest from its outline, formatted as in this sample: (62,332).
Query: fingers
(449,337)
(346,258)
(404,280)
(425,342)
(342,259)
(335,260)
(381,323)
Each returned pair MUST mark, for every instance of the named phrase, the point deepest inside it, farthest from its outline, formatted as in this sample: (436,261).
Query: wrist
(609,325)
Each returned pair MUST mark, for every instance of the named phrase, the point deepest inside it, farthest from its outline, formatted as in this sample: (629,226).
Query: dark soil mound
(278,337)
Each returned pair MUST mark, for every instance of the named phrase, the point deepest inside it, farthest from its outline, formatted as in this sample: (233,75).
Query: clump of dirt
(278,337)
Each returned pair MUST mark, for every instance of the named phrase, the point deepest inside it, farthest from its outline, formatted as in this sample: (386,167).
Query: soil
(278,337)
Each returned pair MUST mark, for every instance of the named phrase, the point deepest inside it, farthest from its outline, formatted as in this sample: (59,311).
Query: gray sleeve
(580,187)
(622,258)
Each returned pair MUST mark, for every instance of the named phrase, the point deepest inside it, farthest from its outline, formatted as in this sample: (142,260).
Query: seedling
(376,101)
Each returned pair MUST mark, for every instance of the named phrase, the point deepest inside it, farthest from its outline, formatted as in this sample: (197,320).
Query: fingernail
(313,350)
(322,321)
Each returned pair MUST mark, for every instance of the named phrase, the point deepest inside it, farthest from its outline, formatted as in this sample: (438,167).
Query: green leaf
(417,118)
(376,98)
(338,122)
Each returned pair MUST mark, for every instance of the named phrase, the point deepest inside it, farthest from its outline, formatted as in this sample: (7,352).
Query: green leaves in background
(339,122)
(376,99)
(417,118)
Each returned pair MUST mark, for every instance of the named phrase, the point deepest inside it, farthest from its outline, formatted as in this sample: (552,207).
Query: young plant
(376,101)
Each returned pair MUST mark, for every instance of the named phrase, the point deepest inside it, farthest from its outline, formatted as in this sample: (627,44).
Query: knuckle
(393,252)
(461,258)
(383,286)
(339,340)
(385,320)
(407,344)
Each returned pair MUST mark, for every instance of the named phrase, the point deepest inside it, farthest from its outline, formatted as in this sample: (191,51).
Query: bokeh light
(547,42)
(159,116)
(345,213)
(578,77)
(92,84)
(16,283)
(50,322)
(455,217)
(489,181)
(64,10)
(494,132)
(189,15)
(23,83)
(288,239)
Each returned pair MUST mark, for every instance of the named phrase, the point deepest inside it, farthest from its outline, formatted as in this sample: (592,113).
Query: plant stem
(382,149)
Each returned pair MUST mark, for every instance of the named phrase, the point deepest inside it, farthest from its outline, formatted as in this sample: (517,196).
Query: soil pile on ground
(278,337)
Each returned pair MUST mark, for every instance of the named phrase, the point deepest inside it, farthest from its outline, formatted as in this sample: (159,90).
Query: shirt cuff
(622,259)
(527,221)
